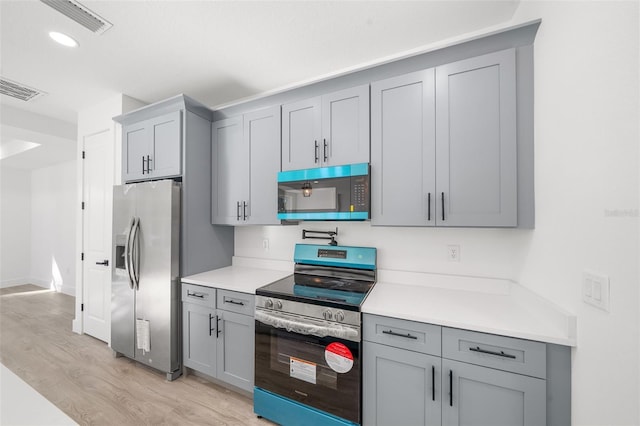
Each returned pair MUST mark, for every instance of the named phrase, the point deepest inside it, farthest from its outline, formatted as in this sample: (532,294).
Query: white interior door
(97,184)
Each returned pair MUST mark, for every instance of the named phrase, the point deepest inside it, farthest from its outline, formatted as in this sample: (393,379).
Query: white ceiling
(214,51)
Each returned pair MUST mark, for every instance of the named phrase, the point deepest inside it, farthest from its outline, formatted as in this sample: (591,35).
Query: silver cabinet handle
(238,210)
(198,295)
(316,152)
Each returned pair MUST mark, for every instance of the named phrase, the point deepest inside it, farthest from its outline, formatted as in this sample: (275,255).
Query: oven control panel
(309,310)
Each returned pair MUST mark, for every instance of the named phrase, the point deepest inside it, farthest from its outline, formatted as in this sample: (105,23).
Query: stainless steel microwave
(325,193)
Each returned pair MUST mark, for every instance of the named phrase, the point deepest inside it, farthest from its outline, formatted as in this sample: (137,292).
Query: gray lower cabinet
(218,334)
(199,339)
(400,387)
(246,159)
(152,148)
(328,130)
(449,134)
(423,374)
(475,395)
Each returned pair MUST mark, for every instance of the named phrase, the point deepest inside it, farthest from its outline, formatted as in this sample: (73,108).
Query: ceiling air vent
(81,14)
(18,90)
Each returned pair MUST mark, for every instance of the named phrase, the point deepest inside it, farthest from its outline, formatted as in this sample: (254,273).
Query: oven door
(309,361)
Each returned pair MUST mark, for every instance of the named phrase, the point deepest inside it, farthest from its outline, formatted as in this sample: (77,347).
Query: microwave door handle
(127,253)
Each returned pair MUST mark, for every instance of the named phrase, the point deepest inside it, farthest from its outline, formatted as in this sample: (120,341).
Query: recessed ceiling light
(63,39)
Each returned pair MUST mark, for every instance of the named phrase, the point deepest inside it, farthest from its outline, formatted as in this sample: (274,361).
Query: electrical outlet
(453,253)
(595,290)
(265,244)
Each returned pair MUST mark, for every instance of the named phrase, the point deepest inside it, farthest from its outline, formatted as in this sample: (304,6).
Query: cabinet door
(403,150)
(345,127)
(235,349)
(165,154)
(400,387)
(135,140)
(199,338)
(262,136)
(476,141)
(484,396)
(230,172)
(301,134)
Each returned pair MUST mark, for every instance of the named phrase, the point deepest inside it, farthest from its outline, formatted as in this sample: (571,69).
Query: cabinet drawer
(199,295)
(503,353)
(242,303)
(415,336)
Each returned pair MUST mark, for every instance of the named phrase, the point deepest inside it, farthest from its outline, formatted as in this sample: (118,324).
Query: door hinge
(83,155)
(82,206)
(82,307)
(81,256)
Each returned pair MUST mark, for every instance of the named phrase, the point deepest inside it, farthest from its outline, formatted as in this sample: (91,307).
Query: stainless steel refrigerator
(145,293)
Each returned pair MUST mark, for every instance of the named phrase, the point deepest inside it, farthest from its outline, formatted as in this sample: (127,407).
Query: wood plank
(79,374)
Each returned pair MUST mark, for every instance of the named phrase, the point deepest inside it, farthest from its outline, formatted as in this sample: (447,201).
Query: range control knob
(328,315)
(268,303)
(339,316)
(278,304)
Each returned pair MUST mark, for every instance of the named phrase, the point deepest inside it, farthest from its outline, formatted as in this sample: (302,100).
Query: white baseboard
(14,282)
(68,290)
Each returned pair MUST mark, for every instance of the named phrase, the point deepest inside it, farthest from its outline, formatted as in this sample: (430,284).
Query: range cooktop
(340,276)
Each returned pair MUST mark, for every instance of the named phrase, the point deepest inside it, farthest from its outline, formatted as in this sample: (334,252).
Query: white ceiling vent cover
(81,14)
(19,90)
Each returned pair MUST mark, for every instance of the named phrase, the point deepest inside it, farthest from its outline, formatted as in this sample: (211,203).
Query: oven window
(296,366)
(306,359)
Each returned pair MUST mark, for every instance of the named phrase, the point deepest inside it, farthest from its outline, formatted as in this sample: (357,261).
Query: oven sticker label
(303,370)
(339,357)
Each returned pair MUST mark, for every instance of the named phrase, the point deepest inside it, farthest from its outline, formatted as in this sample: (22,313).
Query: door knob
(104,262)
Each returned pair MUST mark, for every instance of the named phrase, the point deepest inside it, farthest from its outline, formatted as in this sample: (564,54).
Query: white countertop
(492,306)
(237,278)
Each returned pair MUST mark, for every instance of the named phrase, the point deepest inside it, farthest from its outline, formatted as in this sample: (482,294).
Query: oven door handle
(299,325)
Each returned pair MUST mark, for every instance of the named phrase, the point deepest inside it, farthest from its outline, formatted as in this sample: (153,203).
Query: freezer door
(157,292)
(122,294)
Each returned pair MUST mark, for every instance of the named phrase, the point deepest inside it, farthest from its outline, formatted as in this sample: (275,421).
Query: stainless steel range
(308,337)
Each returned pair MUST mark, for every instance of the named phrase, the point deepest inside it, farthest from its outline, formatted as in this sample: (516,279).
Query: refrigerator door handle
(127,253)
(135,254)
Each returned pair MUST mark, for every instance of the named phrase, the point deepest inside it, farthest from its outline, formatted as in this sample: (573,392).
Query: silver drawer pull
(484,351)
(393,333)
(233,302)
(199,295)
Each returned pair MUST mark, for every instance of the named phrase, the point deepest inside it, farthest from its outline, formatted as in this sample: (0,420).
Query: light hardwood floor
(80,376)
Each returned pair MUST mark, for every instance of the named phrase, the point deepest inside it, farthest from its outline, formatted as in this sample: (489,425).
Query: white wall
(587,183)
(587,161)
(53,214)
(15,226)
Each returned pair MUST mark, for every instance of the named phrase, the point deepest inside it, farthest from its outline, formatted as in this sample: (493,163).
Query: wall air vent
(19,90)
(81,14)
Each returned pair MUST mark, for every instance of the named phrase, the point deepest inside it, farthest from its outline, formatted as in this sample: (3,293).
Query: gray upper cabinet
(484,396)
(327,130)
(476,146)
(443,145)
(230,171)
(403,150)
(152,148)
(246,160)
(262,136)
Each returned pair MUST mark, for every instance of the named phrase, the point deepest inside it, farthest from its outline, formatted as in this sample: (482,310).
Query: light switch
(595,290)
